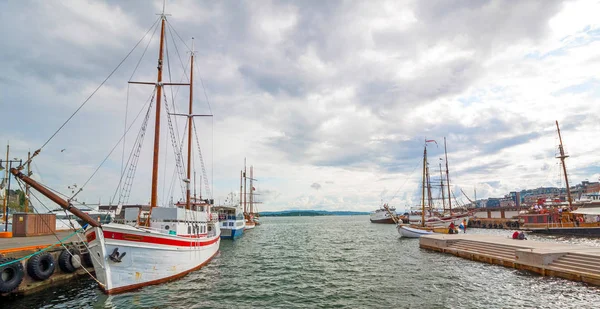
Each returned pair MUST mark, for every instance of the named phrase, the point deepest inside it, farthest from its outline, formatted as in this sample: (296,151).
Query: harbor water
(334,262)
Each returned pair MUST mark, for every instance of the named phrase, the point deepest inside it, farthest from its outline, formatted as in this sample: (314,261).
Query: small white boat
(409,232)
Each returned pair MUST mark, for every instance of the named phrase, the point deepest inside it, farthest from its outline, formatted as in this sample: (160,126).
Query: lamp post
(7,194)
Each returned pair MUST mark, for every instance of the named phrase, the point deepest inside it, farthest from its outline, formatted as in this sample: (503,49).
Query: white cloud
(340,94)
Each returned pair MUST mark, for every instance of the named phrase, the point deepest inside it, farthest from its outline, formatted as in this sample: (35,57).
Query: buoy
(41,266)
(68,263)
(11,275)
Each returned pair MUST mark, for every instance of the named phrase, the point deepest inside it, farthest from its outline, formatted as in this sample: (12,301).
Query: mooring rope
(41,251)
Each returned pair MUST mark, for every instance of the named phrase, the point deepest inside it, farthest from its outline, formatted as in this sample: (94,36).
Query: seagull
(63,150)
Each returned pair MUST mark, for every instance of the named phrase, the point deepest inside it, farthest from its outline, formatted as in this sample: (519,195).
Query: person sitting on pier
(522,236)
(515,235)
(451,228)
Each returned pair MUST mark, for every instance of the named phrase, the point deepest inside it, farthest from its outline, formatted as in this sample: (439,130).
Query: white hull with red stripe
(151,256)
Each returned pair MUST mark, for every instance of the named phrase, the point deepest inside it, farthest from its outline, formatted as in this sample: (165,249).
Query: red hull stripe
(91,236)
(193,236)
(157,240)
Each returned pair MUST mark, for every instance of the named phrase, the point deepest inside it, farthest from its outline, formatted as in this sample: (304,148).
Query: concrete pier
(573,262)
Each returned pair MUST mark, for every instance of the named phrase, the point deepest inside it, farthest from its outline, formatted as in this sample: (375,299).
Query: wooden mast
(251,196)
(562,158)
(190,119)
(442,186)
(241,192)
(448,179)
(55,198)
(245,208)
(423,195)
(6,192)
(27,185)
(429,196)
(154,196)
(159,87)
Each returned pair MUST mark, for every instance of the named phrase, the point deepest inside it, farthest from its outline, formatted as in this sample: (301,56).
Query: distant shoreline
(310,213)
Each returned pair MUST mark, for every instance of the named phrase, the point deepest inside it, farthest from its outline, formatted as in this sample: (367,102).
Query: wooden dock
(18,247)
(573,262)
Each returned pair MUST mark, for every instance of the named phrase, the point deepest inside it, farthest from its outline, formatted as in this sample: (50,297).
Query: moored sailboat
(164,243)
(417,230)
(584,221)
(250,213)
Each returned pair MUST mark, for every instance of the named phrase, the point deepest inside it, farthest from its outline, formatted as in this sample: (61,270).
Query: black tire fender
(68,263)
(41,267)
(10,275)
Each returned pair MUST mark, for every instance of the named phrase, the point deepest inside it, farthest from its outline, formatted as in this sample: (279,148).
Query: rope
(107,156)
(178,35)
(127,100)
(134,156)
(405,181)
(43,250)
(61,241)
(205,176)
(99,86)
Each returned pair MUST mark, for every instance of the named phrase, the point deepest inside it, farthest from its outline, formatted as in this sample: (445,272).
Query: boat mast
(55,198)
(448,178)
(241,192)
(429,196)
(423,195)
(245,185)
(154,196)
(190,119)
(27,185)
(442,186)
(251,197)
(6,192)
(562,158)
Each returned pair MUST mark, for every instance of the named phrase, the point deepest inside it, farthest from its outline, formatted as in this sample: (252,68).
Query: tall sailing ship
(428,220)
(164,243)
(247,198)
(584,221)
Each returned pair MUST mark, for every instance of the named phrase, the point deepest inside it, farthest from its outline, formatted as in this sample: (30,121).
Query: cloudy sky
(330,101)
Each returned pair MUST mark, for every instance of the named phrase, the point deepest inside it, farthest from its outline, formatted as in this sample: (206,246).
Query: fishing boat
(423,227)
(231,219)
(384,214)
(165,243)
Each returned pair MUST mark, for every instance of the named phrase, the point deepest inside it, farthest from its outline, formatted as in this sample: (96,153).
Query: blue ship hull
(231,234)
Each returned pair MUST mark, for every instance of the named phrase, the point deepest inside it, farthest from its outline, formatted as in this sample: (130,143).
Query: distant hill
(310,213)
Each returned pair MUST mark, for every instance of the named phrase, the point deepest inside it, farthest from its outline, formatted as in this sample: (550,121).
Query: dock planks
(573,262)
(33,243)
